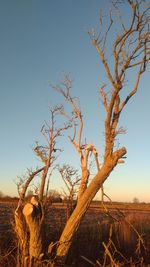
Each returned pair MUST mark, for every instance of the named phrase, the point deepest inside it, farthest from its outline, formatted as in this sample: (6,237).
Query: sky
(40,41)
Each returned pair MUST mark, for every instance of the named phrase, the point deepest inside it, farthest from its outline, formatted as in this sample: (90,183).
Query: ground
(126,225)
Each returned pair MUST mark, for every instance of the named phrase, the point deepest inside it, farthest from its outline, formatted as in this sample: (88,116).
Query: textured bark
(84,158)
(34,218)
(82,206)
(29,226)
(84,181)
(23,244)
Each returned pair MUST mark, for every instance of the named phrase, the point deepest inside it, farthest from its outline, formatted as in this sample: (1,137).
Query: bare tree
(29,217)
(71,179)
(130,50)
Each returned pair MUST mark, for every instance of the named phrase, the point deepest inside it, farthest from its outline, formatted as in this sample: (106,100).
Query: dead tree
(71,179)
(83,149)
(29,217)
(130,51)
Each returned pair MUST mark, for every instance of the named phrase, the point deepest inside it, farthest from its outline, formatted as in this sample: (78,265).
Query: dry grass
(128,242)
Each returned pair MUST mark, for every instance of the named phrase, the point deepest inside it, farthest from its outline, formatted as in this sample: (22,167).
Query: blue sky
(41,40)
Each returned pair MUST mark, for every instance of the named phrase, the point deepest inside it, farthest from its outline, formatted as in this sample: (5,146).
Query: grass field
(118,231)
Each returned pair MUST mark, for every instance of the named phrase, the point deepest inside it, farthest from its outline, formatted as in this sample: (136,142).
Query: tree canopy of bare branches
(128,42)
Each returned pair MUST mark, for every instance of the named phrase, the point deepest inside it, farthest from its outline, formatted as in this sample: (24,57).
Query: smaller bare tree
(29,217)
(71,179)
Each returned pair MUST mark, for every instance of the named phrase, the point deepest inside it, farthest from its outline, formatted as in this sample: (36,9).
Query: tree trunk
(82,206)
(29,226)
(84,181)
(23,243)
(34,218)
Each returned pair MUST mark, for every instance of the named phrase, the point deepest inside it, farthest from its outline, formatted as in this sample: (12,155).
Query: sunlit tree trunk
(34,216)
(29,227)
(82,206)
(23,239)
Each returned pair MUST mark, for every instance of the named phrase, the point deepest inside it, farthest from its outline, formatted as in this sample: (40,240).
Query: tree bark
(84,181)
(23,244)
(34,218)
(82,206)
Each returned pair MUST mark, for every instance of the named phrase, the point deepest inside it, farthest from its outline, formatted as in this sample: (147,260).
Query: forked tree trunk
(30,230)
(82,206)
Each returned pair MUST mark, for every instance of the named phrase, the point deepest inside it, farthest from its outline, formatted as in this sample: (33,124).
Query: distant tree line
(4,197)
